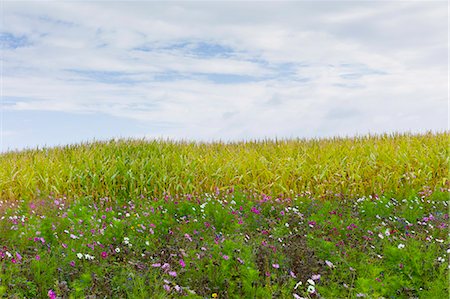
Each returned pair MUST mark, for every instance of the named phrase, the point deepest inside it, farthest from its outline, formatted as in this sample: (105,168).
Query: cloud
(232,70)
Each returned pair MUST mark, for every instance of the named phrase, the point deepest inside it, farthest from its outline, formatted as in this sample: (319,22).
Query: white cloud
(292,68)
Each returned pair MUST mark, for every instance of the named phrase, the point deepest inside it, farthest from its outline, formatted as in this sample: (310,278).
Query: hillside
(400,164)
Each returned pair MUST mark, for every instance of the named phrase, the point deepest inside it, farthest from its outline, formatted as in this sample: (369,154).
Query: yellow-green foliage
(399,163)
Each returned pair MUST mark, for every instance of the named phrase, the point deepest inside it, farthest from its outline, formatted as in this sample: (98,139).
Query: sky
(75,71)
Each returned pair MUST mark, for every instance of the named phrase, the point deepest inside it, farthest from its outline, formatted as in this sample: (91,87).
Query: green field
(363,217)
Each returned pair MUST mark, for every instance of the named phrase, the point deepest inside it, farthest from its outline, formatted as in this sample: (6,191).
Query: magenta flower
(182,263)
(19,257)
(38,258)
(226,257)
(51,294)
(72,263)
(104,254)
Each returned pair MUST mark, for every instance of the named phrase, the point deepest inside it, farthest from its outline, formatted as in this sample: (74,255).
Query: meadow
(363,217)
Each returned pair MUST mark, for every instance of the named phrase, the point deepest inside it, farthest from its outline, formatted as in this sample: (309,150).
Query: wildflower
(51,294)
(79,255)
(166,287)
(72,263)
(117,250)
(13,260)
(165,267)
(276,266)
(297,296)
(156,265)
(240,260)
(214,295)
(315,277)
(292,274)
(147,243)
(381,236)
(177,288)
(38,258)
(440,259)
(104,254)
(311,282)
(298,284)
(173,273)
(89,257)
(311,289)
(330,264)
(401,246)
(286,224)
(19,257)
(182,263)
(226,257)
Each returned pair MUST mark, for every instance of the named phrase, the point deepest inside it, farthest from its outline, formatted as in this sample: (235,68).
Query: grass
(399,164)
(333,218)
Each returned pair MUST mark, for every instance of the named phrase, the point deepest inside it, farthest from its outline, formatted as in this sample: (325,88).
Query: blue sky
(75,71)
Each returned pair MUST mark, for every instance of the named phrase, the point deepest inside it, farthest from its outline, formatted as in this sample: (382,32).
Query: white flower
(329,264)
(448,250)
(117,250)
(88,257)
(147,243)
(381,236)
(286,224)
(387,232)
(401,246)
(79,255)
(127,215)
(311,282)
(311,289)
(126,240)
(298,284)
(440,259)
(439,240)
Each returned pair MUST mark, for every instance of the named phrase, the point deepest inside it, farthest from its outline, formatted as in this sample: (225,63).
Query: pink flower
(292,274)
(240,260)
(165,267)
(276,266)
(19,257)
(182,263)
(156,265)
(13,260)
(226,257)
(72,263)
(51,294)
(38,258)
(173,273)
(166,287)
(104,254)
(315,277)
(64,245)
